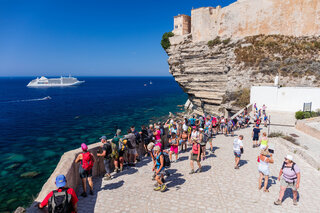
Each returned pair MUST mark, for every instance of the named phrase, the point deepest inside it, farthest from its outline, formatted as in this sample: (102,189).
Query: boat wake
(28,100)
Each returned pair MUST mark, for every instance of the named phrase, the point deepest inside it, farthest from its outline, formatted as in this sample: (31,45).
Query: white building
(289,99)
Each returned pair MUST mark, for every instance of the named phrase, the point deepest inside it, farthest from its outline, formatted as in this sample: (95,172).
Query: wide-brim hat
(264,152)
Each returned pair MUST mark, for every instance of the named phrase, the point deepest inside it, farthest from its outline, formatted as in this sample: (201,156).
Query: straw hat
(265,152)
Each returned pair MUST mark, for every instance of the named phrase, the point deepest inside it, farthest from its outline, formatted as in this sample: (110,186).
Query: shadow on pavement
(112,186)
(87,204)
(127,171)
(288,194)
(174,179)
(183,158)
(144,162)
(242,162)
(205,168)
(271,181)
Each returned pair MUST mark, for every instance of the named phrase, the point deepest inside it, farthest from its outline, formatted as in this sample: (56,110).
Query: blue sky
(88,38)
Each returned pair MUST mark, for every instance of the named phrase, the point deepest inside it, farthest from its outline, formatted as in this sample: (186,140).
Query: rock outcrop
(217,73)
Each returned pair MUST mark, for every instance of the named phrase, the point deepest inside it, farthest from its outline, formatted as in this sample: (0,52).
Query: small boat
(47,98)
(150,82)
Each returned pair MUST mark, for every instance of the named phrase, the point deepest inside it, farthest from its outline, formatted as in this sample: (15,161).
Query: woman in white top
(194,135)
(263,168)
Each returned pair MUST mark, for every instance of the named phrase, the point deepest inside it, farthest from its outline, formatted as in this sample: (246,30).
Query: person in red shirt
(61,183)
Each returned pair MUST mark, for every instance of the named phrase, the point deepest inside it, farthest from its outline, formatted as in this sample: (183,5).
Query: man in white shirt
(237,150)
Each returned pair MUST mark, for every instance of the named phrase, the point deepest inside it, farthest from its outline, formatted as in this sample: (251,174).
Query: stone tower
(182,25)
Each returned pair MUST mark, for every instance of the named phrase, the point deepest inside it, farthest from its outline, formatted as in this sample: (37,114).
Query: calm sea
(34,132)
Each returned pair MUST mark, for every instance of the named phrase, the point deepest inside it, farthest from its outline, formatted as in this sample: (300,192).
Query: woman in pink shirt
(195,155)
(157,136)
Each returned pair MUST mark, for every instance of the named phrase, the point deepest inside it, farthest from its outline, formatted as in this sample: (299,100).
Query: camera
(271,151)
(99,150)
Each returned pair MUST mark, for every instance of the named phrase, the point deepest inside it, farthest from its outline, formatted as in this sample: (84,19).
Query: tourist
(230,127)
(237,150)
(106,153)
(223,125)
(185,125)
(264,109)
(137,143)
(132,152)
(203,142)
(290,173)
(195,155)
(174,146)
(123,148)
(183,141)
(144,138)
(86,160)
(115,155)
(192,121)
(159,168)
(207,134)
(255,136)
(214,125)
(263,168)
(265,120)
(264,141)
(194,135)
(64,193)
(157,136)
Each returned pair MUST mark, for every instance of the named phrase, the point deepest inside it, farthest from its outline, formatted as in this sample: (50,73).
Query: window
(176,26)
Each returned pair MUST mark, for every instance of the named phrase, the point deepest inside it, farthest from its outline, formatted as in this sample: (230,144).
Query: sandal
(266,190)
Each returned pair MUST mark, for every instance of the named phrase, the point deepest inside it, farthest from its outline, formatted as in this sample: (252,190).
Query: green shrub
(214,42)
(299,115)
(165,42)
(226,41)
(304,115)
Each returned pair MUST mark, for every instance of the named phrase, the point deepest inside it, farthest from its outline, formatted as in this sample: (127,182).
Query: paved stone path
(219,188)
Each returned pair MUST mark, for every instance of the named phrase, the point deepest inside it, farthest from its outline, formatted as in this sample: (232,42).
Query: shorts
(162,172)
(286,184)
(182,141)
(255,138)
(237,154)
(222,126)
(174,149)
(84,173)
(132,151)
(194,157)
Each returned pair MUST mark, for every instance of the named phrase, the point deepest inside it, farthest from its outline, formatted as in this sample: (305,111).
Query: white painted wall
(289,99)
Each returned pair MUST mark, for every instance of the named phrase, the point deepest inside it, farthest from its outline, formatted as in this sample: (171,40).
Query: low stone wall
(70,169)
(303,126)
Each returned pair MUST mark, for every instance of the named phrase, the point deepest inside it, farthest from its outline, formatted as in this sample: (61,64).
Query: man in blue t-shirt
(192,121)
(255,136)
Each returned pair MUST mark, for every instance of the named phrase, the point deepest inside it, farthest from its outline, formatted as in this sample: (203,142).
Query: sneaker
(107,178)
(116,170)
(84,194)
(192,171)
(91,192)
(163,188)
(199,170)
(237,167)
(278,202)
(253,146)
(121,169)
(158,188)
(156,185)
(295,202)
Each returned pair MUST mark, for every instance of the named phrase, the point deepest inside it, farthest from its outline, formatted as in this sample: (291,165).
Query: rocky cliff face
(215,74)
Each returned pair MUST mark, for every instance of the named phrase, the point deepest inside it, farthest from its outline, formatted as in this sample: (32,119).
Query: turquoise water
(34,133)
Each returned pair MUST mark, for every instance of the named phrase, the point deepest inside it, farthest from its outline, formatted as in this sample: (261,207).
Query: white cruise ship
(54,82)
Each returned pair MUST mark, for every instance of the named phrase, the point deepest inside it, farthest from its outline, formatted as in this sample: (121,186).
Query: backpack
(166,159)
(205,137)
(114,153)
(87,161)
(292,168)
(138,137)
(60,202)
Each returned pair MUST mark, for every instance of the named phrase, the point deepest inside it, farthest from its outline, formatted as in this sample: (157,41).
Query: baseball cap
(289,157)
(104,137)
(150,146)
(84,147)
(61,181)
(156,148)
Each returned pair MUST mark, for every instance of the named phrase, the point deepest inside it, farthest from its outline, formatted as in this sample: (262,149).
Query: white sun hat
(289,157)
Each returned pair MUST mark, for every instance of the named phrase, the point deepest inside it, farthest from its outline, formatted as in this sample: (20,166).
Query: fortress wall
(253,17)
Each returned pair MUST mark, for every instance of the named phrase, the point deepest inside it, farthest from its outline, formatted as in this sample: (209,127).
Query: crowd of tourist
(162,142)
